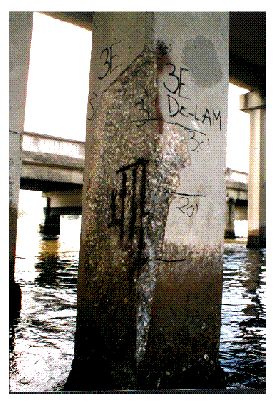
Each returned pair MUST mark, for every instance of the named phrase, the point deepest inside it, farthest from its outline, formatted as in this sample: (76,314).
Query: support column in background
(254,103)
(20,42)
(51,227)
(230,217)
(150,272)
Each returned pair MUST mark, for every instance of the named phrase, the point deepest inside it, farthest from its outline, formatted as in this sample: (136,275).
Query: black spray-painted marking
(198,143)
(93,107)
(188,208)
(184,194)
(175,88)
(193,133)
(177,107)
(144,110)
(109,60)
(179,84)
(159,259)
(129,217)
(199,139)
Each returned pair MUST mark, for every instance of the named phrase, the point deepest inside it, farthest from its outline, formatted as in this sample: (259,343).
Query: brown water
(41,340)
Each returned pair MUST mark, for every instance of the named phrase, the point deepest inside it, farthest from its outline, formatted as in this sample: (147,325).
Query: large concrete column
(20,41)
(254,103)
(150,276)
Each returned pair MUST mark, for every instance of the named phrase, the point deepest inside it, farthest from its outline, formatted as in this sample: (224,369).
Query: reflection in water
(53,269)
(48,263)
(42,339)
(252,285)
(41,345)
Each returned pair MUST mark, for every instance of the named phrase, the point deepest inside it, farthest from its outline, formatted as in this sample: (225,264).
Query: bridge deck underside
(47,185)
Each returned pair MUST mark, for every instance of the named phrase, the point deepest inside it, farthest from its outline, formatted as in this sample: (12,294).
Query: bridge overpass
(51,163)
(55,166)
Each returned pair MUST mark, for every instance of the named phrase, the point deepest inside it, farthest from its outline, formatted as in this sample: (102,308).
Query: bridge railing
(236,176)
(38,143)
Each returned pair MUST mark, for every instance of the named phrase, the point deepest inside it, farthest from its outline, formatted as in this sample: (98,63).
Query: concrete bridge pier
(51,227)
(254,104)
(230,217)
(60,202)
(150,272)
(20,41)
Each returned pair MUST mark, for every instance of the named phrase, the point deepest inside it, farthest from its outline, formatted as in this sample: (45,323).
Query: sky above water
(59,82)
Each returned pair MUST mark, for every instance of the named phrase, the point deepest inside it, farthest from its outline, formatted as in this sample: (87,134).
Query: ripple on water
(242,343)
(42,339)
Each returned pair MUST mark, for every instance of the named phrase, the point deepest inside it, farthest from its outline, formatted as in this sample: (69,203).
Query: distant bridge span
(50,163)
(55,166)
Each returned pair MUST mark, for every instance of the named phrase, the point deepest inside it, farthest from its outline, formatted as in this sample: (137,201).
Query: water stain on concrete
(207,72)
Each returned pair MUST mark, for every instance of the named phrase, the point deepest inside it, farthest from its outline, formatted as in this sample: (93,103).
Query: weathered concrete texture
(184,327)
(113,246)
(149,286)
(20,29)
(14,186)
(183,340)
(254,103)
(20,38)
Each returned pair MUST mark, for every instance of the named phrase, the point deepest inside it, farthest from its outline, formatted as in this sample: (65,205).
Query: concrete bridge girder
(58,160)
(67,198)
(34,168)
(236,194)
(67,202)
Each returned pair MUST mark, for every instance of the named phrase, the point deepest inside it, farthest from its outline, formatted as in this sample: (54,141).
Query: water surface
(41,340)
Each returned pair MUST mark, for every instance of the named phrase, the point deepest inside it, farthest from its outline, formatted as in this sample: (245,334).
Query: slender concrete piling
(150,276)
(51,227)
(20,40)
(230,216)
(254,104)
